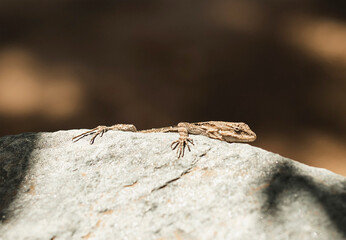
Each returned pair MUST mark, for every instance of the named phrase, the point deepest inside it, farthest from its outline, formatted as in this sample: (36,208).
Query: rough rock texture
(132,186)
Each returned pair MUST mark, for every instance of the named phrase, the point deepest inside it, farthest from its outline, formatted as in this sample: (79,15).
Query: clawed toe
(180,144)
(98,131)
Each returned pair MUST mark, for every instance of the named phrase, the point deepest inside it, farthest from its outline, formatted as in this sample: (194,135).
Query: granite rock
(132,186)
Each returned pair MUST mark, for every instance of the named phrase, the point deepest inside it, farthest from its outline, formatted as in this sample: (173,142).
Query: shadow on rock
(286,178)
(15,152)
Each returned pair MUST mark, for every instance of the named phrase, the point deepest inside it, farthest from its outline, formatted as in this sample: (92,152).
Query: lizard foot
(181,143)
(98,131)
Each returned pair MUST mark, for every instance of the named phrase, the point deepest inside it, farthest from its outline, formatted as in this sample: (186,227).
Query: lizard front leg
(183,141)
(100,130)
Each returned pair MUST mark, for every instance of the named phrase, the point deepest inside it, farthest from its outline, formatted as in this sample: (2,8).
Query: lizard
(223,131)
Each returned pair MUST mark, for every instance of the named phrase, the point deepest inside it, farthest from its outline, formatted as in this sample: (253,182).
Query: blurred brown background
(279,66)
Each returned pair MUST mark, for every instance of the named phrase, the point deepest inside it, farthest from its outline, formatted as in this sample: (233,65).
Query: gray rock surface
(132,186)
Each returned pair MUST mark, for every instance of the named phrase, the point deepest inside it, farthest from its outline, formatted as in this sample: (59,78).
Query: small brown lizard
(224,131)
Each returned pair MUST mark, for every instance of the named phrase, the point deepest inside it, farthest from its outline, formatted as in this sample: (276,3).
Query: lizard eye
(238,131)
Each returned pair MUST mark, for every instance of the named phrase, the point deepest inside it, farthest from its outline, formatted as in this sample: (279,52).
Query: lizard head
(238,132)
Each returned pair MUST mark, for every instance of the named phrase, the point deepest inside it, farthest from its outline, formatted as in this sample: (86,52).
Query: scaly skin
(223,131)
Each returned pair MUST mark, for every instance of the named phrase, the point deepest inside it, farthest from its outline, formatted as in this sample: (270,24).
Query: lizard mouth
(244,138)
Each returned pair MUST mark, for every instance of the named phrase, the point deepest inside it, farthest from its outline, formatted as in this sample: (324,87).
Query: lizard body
(223,131)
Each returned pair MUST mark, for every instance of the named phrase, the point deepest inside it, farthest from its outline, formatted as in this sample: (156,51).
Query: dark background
(279,66)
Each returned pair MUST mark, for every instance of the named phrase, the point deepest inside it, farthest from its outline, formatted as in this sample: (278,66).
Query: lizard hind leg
(100,130)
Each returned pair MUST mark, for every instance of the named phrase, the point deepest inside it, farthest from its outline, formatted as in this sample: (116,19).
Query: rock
(132,186)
